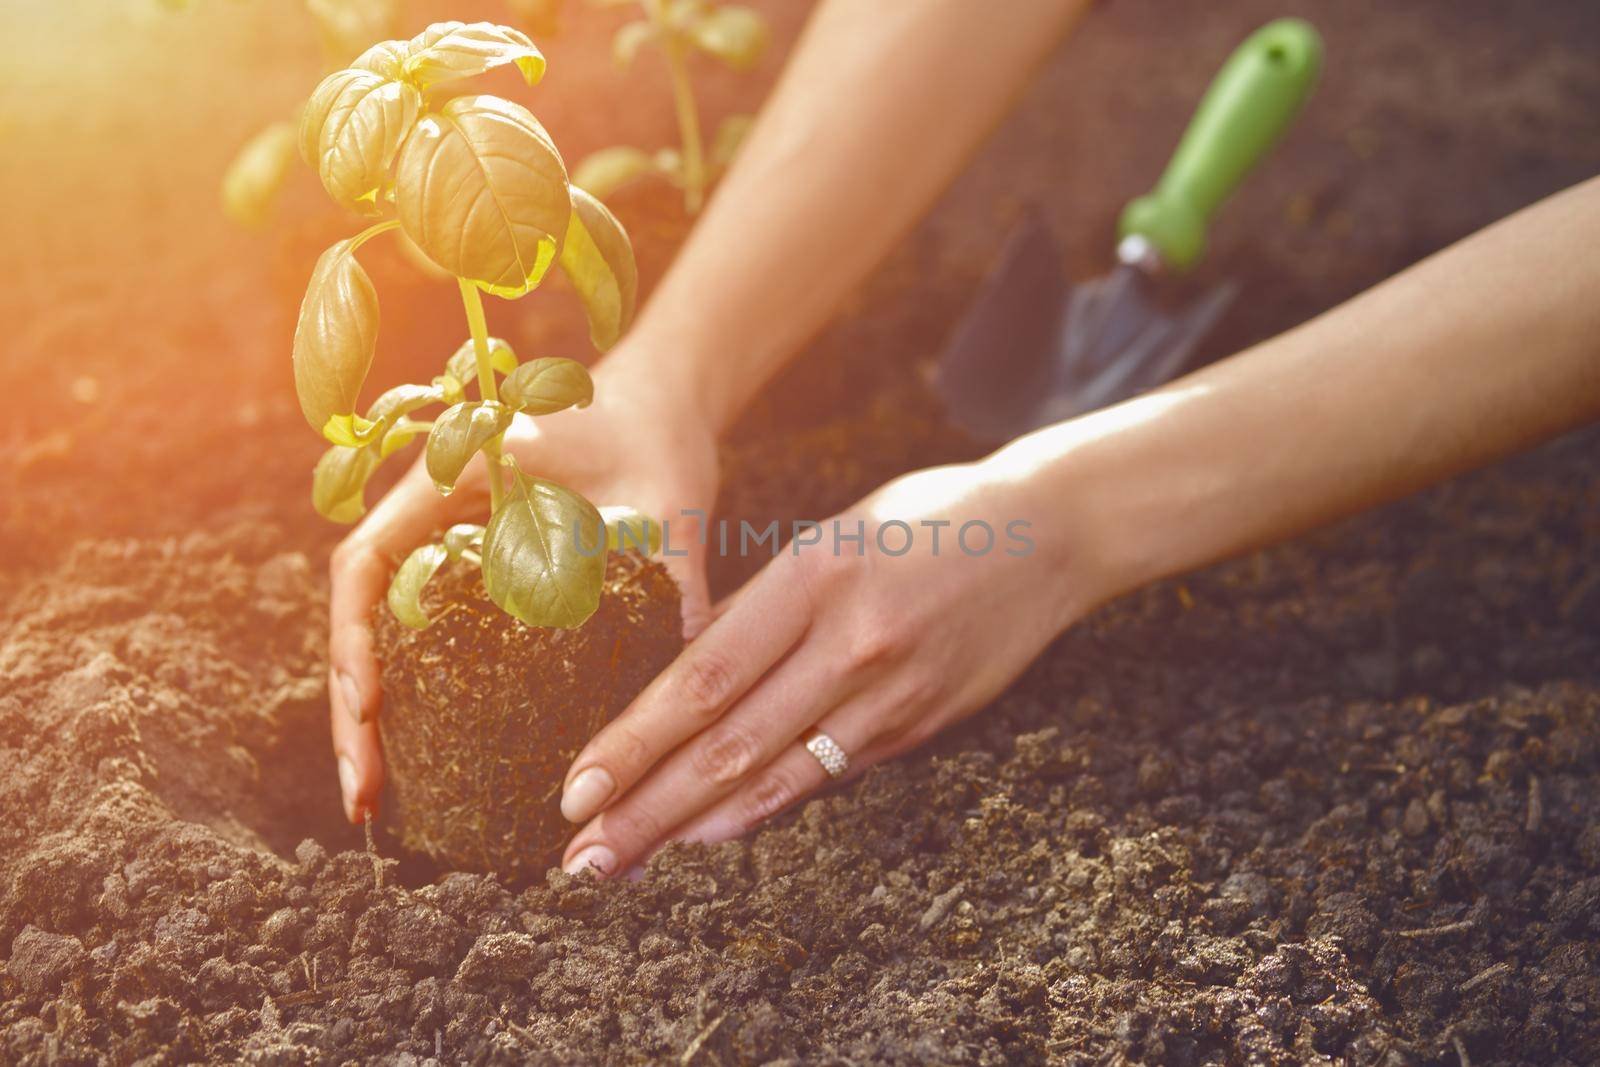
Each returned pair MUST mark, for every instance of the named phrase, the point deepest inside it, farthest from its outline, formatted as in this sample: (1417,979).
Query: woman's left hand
(875,644)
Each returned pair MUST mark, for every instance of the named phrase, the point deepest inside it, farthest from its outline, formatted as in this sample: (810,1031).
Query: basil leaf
(598,259)
(533,566)
(481,189)
(335,337)
(448,51)
(339,483)
(405,589)
(351,129)
(543,386)
(457,436)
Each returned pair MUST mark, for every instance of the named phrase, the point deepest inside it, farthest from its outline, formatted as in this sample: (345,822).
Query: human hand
(879,651)
(639,444)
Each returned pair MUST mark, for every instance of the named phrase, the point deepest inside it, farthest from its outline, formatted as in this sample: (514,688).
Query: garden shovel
(1033,351)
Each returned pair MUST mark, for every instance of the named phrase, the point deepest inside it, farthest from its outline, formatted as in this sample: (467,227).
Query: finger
(717,668)
(715,762)
(727,603)
(359,572)
(689,571)
(360,760)
(793,776)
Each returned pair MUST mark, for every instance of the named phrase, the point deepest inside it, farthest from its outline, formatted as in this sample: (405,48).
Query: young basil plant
(478,186)
(735,35)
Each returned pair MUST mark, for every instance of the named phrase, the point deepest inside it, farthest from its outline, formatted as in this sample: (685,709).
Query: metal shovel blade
(1032,350)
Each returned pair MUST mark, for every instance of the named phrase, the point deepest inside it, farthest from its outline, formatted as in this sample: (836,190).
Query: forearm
(1484,349)
(877,111)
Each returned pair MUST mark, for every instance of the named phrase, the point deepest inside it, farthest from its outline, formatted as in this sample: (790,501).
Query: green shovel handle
(1251,103)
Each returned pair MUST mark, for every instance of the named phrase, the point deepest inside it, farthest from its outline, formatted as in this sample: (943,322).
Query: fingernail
(351,695)
(588,791)
(596,858)
(347,786)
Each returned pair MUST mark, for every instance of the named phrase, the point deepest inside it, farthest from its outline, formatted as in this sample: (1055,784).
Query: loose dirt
(1336,800)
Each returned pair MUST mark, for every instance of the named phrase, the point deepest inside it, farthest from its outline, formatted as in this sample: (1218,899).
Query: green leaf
(335,337)
(533,567)
(350,131)
(461,538)
(339,483)
(735,34)
(405,589)
(609,169)
(629,39)
(257,174)
(463,363)
(448,51)
(457,436)
(544,386)
(598,259)
(387,58)
(628,528)
(481,188)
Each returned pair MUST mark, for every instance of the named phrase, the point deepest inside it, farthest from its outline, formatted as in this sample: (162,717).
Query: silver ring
(828,753)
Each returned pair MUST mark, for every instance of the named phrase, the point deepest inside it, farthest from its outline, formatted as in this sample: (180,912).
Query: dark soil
(1375,834)
(483,715)
(1336,802)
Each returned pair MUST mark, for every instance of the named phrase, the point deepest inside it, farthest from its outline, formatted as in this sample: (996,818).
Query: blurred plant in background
(732,33)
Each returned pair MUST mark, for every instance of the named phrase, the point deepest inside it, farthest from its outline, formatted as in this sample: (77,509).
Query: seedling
(477,184)
(732,33)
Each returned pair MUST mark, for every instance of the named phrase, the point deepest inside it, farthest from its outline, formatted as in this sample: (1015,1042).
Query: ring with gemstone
(828,753)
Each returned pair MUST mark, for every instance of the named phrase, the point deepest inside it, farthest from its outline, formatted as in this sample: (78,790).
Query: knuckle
(727,753)
(623,753)
(817,575)
(878,640)
(770,794)
(920,691)
(708,681)
(343,556)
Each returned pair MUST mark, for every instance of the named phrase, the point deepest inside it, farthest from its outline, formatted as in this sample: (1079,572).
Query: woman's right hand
(640,444)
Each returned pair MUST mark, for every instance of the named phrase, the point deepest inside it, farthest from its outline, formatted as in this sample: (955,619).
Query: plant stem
(694,155)
(372,231)
(486,388)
